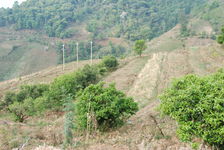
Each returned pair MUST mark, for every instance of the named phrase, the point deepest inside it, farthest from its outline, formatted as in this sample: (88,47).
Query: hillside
(143,78)
(169,54)
(39,28)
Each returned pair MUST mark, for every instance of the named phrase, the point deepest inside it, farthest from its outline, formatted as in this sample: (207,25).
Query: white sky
(8,3)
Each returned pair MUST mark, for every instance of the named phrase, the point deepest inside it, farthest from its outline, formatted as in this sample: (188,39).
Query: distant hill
(132,19)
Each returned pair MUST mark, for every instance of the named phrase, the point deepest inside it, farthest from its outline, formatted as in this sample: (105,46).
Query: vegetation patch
(196,103)
(103,108)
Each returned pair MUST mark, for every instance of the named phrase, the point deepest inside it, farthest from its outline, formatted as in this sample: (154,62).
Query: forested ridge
(131,19)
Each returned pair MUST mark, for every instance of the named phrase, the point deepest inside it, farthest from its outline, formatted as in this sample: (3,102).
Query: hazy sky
(8,3)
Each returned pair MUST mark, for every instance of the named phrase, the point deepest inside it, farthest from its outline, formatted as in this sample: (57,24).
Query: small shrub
(110,62)
(26,91)
(105,107)
(21,110)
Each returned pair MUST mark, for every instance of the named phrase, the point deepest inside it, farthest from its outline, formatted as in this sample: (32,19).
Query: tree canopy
(139,47)
(132,19)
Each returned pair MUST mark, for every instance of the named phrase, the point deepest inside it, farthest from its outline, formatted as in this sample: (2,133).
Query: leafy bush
(110,62)
(9,98)
(105,107)
(70,84)
(33,91)
(29,107)
(26,91)
(197,104)
(21,110)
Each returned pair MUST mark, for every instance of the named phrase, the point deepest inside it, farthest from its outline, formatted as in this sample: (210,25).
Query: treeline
(132,19)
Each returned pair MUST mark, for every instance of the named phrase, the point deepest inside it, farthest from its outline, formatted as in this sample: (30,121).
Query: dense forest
(132,19)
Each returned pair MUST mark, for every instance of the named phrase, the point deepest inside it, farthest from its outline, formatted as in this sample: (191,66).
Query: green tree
(196,103)
(139,47)
(220,38)
(103,108)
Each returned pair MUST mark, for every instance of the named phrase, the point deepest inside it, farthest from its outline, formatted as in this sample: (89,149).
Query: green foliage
(28,101)
(103,108)
(139,47)
(196,103)
(111,49)
(70,84)
(9,98)
(26,91)
(35,99)
(21,110)
(110,62)
(133,19)
(195,146)
(220,38)
(213,13)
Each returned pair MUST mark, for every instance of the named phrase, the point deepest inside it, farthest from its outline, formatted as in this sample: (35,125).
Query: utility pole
(91,52)
(77,61)
(63,59)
